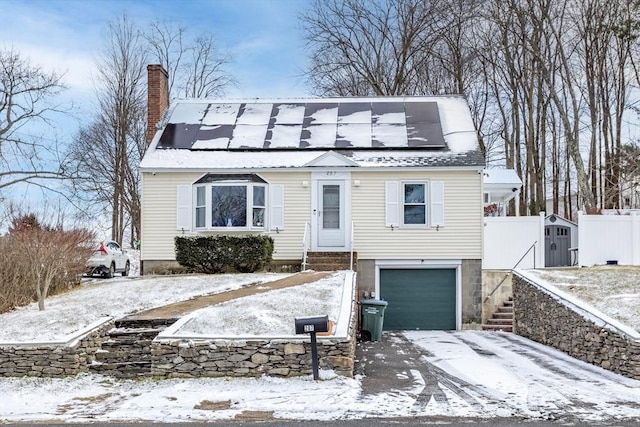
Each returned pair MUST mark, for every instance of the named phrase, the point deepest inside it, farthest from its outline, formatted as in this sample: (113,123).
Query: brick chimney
(157,97)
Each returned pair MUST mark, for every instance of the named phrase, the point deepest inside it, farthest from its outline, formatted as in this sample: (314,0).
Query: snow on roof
(371,131)
(501,176)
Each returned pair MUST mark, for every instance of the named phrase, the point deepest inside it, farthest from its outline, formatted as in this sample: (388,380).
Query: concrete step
(501,320)
(500,315)
(134,333)
(135,323)
(503,328)
(330,261)
(328,266)
(494,321)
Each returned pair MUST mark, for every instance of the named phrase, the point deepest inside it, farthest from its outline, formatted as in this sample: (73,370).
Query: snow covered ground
(611,289)
(458,374)
(96,298)
(468,374)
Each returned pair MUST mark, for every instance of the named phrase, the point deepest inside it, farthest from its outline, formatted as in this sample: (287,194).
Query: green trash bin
(372,318)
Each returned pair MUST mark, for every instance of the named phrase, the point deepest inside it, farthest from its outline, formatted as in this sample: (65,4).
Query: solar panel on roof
(354,112)
(388,112)
(178,135)
(319,135)
(254,114)
(321,113)
(422,112)
(353,135)
(425,135)
(221,114)
(389,135)
(287,114)
(284,136)
(249,136)
(312,125)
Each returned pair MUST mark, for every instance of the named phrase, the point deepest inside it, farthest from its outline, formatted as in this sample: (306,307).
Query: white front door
(330,214)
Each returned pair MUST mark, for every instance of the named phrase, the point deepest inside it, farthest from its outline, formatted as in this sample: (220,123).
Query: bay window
(230,201)
(221,202)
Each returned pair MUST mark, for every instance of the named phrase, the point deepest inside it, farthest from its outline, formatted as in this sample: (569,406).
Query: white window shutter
(392,199)
(437,203)
(183,214)
(276,207)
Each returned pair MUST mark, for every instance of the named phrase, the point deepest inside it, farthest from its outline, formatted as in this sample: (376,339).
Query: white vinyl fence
(608,238)
(509,239)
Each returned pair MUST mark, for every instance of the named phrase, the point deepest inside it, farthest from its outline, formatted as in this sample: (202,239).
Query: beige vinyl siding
(159,193)
(297,211)
(459,238)
(159,202)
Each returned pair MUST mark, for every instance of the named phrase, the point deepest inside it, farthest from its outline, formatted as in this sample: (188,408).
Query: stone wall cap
(69,340)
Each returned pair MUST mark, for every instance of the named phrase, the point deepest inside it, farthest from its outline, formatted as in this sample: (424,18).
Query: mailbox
(312,325)
(307,325)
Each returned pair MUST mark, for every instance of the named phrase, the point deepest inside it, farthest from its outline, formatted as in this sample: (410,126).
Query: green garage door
(419,298)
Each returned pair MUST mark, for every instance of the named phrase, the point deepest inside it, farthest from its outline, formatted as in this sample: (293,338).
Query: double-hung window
(414,204)
(414,208)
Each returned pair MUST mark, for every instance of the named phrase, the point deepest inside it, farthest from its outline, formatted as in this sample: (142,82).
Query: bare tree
(166,40)
(372,47)
(106,153)
(196,67)
(27,93)
(204,72)
(543,79)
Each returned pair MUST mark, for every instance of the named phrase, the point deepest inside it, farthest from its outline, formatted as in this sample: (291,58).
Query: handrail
(519,261)
(306,244)
(351,248)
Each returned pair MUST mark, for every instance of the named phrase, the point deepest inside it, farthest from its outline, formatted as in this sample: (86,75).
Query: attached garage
(419,298)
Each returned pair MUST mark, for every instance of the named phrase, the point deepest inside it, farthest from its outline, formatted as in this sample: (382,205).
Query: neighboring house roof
(360,132)
(503,184)
(554,219)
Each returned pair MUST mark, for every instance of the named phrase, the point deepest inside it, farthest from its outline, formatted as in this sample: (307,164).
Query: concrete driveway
(479,374)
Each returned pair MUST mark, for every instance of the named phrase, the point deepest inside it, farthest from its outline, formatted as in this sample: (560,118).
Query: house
(398,180)
(501,186)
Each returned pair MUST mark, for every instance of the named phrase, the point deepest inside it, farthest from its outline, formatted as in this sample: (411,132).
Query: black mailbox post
(311,325)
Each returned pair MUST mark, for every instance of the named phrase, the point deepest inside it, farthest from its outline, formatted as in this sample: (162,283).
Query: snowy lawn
(270,314)
(96,298)
(612,289)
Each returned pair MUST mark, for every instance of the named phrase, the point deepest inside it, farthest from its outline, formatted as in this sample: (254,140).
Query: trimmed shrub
(215,254)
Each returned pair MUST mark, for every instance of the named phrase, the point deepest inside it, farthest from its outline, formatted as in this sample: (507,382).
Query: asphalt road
(465,422)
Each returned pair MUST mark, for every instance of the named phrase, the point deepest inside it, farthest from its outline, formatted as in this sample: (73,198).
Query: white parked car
(109,259)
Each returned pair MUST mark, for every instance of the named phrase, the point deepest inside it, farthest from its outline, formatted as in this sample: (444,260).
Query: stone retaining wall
(52,360)
(185,358)
(541,317)
(248,358)
(196,358)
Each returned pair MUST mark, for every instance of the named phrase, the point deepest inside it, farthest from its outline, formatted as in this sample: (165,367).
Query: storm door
(330,214)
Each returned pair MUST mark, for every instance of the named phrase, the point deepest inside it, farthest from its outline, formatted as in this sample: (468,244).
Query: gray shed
(560,241)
